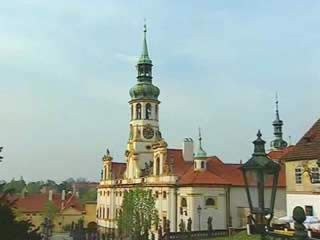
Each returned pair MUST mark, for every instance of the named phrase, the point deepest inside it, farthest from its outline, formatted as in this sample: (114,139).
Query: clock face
(148,132)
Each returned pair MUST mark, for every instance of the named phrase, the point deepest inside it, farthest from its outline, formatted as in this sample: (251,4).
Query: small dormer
(200,157)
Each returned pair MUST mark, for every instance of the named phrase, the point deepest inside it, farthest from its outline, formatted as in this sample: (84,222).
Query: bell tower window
(156,112)
(131,112)
(138,111)
(148,111)
(202,164)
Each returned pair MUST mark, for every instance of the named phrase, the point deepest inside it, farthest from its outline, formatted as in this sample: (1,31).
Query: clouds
(66,68)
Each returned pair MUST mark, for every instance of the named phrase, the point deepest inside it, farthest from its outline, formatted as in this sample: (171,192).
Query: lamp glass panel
(252,179)
(268,183)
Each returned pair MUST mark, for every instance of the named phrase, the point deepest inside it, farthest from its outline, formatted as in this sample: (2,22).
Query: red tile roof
(308,147)
(275,155)
(217,173)
(37,202)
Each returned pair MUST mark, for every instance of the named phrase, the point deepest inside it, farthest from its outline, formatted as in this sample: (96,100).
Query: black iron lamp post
(199,214)
(259,173)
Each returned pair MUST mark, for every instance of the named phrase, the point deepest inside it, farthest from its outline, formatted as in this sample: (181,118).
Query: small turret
(278,143)
(200,158)
(107,166)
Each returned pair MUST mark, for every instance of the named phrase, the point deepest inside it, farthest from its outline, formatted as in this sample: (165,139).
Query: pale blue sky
(66,68)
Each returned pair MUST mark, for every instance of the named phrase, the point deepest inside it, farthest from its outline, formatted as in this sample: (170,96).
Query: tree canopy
(138,214)
(50,210)
(10,227)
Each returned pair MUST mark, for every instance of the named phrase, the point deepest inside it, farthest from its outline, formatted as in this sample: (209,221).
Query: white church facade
(185,183)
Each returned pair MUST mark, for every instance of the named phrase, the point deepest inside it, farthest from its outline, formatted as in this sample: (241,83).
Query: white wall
(302,200)
(238,199)
(197,196)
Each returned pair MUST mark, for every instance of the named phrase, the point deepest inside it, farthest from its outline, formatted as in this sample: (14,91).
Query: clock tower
(144,122)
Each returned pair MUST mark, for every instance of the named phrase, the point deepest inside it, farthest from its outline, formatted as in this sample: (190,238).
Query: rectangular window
(315,175)
(298,172)
(309,210)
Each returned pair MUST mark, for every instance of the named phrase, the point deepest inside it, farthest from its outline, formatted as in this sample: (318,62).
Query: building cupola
(200,157)
(278,143)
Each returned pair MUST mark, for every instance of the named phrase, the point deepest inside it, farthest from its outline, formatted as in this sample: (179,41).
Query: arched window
(131,112)
(156,112)
(157,166)
(202,164)
(210,202)
(103,213)
(138,111)
(107,213)
(148,111)
(184,202)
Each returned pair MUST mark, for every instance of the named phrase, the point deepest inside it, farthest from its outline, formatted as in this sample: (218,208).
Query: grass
(240,236)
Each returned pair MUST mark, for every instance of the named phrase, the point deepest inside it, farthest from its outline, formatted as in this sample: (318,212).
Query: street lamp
(199,213)
(260,172)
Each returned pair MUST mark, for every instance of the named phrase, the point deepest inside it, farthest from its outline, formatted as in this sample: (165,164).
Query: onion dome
(144,91)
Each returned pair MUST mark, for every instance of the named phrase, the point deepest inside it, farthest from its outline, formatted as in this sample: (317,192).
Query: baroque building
(303,173)
(186,184)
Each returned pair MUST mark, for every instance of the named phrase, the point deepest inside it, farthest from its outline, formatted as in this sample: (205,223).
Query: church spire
(144,89)
(200,153)
(278,143)
(277,108)
(144,58)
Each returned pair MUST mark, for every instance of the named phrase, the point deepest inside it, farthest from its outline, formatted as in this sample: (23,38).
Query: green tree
(10,227)
(50,210)
(89,195)
(67,186)
(16,185)
(34,187)
(138,214)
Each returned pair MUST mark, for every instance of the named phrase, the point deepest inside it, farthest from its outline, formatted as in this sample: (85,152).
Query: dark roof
(308,147)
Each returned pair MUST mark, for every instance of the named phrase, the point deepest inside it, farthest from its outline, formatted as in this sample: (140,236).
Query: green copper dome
(200,153)
(144,90)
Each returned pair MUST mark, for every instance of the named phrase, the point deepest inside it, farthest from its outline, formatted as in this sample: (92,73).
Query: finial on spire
(145,25)
(259,134)
(277,101)
(200,138)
